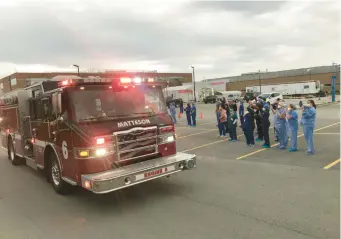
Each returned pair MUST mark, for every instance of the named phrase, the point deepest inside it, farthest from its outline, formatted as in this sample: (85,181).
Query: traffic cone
(179,115)
(201,116)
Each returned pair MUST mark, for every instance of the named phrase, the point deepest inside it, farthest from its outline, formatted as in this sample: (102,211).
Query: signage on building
(217,83)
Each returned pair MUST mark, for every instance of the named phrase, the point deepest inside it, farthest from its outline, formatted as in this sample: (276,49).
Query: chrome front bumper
(133,174)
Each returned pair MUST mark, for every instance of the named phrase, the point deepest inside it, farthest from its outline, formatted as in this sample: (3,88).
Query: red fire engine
(101,134)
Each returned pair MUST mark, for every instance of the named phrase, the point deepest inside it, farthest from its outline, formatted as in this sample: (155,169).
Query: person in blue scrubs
(188,114)
(292,118)
(194,115)
(173,112)
(280,125)
(308,122)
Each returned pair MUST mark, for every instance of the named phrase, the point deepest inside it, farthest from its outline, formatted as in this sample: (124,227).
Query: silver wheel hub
(55,173)
(11,153)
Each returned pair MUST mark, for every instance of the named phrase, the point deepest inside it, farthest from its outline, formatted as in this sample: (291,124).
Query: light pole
(260,82)
(77,66)
(193,78)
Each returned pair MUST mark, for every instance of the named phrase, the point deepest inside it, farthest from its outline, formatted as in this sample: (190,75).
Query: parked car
(271,96)
(210,99)
(177,102)
(250,95)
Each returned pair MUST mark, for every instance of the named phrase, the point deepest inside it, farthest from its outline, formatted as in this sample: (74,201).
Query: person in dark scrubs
(265,114)
(188,114)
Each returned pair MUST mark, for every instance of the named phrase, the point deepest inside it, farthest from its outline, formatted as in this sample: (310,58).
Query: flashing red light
(125,80)
(7,131)
(137,80)
(150,80)
(33,140)
(100,141)
(65,82)
(110,87)
(125,87)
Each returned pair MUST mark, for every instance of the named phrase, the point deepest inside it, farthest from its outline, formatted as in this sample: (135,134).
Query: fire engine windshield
(100,102)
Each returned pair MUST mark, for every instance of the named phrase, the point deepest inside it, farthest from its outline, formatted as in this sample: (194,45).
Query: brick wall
(324,78)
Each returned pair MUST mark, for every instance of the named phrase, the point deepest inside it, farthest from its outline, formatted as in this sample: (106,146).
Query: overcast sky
(219,38)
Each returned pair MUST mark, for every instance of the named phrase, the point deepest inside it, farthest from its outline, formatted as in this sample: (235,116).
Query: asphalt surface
(235,192)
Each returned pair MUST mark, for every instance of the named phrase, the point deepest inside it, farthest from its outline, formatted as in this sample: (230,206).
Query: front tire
(55,177)
(15,160)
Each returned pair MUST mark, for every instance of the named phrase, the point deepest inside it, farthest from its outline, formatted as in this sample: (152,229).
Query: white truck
(297,88)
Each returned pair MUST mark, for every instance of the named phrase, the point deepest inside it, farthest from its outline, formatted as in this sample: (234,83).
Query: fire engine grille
(136,143)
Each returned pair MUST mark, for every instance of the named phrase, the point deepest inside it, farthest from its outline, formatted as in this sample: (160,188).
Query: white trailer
(297,88)
(180,92)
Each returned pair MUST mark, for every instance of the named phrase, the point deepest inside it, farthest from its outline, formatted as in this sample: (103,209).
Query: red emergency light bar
(122,81)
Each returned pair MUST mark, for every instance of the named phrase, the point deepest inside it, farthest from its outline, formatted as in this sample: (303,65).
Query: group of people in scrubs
(226,113)
(190,110)
(257,116)
(286,125)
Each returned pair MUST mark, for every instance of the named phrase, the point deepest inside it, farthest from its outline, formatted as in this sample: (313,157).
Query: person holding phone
(292,118)
(308,123)
(280,125)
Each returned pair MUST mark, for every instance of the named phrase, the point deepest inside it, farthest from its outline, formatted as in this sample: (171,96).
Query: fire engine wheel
(15,160)
(59,185)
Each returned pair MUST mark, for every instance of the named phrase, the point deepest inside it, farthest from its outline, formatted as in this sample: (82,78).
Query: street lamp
(193,78)
(77,66)
(260,82)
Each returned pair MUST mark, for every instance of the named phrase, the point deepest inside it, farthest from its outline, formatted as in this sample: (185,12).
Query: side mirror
(57,103)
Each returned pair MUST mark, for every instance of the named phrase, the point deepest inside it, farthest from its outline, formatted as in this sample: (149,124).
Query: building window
(14,81)
(1,86)
(306,87)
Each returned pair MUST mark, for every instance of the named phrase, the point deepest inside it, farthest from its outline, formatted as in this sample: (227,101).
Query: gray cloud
(246,7)
(223,37)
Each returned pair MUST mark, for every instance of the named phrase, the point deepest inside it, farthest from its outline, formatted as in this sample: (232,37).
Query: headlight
(101,152)
(170,139)
(166,138)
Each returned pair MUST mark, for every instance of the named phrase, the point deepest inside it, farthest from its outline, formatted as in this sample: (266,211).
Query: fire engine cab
(100,134)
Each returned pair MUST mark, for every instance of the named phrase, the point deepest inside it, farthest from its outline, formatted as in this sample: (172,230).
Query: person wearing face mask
(173,112)
(194,115)
(188,114)
(292,118)
(258,113)
(265,114)
(308,123)
(247,128)
(241,113)
(280,125)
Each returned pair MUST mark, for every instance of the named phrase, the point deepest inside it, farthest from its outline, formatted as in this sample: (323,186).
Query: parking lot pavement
(268,194)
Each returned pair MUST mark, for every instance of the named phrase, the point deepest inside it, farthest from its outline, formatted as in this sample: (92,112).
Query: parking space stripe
(205,145)
(189,135)
(327,133)
(260,150)
(332,164)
